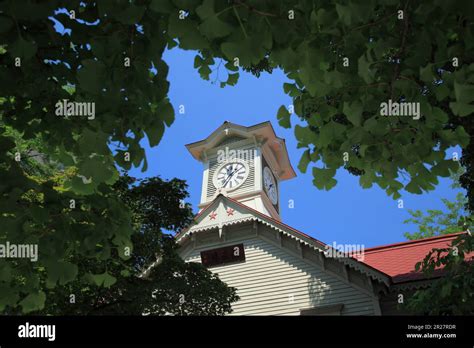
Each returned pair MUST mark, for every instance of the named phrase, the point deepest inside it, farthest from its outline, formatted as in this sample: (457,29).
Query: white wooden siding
(272,281)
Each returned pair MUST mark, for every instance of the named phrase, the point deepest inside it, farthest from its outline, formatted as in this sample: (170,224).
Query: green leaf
(353,112)
(462,136)
(9,296)
(364,69)
(162,6)
(441,91)
(426,74)
(91,76)
(461,109)
(5,273)
(329,133)
(212,27)
(232,79)
(417,266)
(60,271)
(131,15)
(166,112)
(439,115)
(78,186)
(323,178)
(230,66)
(105,279)
(291,89)
(22,49)
(198,61)
(304,136)
(186,30)
(33,302)
(204,71)
(344,13)
(125,273)
(367,180)
(188,5)
(95,169)
(155,133)
(464,93)
(304,161)
(249,51)
(413,187)
(5,24)
(283,117)
(444,168)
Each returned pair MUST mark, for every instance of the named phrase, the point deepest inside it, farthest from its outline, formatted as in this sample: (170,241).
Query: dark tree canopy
(112,285)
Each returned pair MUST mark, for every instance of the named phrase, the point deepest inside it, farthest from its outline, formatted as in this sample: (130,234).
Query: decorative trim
(413,285)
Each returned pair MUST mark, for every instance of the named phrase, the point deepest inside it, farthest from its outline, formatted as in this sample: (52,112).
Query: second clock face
(270,185)
(231,175)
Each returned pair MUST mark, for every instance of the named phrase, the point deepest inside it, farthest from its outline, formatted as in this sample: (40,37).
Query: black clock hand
(230,176)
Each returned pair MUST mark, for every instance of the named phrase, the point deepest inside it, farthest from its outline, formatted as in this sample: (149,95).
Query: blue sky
(345,214)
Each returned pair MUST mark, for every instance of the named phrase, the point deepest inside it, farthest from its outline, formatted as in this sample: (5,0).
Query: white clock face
(231,175)
(270,185)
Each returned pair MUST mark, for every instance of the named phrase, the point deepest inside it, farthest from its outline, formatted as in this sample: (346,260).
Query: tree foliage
(437,222)
(453,293)
(170,287)
(396,50)
(120,282)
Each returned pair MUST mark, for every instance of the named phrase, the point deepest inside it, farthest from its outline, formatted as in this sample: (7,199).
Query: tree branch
(253,9)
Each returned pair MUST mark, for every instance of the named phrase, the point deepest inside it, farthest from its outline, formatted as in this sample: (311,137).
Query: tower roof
(262,133)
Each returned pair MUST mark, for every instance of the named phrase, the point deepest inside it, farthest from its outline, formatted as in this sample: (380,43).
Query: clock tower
(238,234)
(246,164)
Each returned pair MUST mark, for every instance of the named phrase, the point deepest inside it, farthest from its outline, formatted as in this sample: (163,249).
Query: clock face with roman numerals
(231,175)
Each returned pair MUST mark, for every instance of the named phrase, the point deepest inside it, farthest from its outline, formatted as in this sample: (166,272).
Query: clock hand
(230,176)
(236,170)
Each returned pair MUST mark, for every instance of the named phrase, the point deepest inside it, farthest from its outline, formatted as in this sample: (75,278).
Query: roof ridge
(416,241)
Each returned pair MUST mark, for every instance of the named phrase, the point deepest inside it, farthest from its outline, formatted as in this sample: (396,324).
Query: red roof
(399,260)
